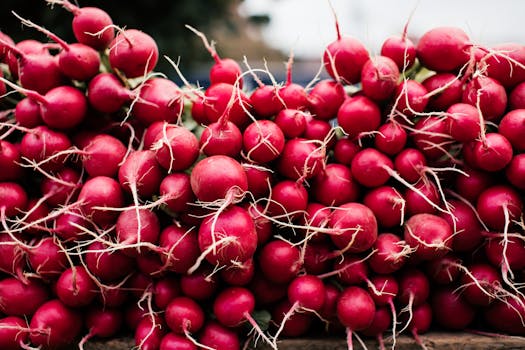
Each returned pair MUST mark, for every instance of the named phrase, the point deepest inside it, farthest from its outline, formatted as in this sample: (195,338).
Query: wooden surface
(434,341)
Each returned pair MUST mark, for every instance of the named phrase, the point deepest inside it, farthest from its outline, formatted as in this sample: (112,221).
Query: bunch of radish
(384,199)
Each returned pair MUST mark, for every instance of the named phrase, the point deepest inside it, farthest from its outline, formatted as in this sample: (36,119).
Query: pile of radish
(386,199)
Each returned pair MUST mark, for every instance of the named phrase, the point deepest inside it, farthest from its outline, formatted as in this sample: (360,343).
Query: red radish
(107,94)
(325,98)
(429,235)
(410,164)
(21,299)
(3,50)
(233,306)
(58,325)
(180,247)
(239,275)
(266,292)
(505,252)
(451,310)
(381,323)
(444,49)
(158,99)
(498,205)
(184,316)
(387,204)
(107,265)
(335,185)
(140,174)
(221,138)
(292,122)
(27,113)
(379,78)
(75,287)
(263,141)
(384,289)
(201,285)
(176,190)
(320,130)
(263,225)
(47,259)
(351,270)
(91,25)
(371,168)
(315,216)
(411,98)
(133,52)
(265,101)
(421,321)
(480,284)
(344,58)
(390,254)
(345,150)
(467,229)
(149,262)
(355,310)
(103,155)
(515,171)
(36,219)
(505,63)
(493,153)
(512,127)
(444,89)
(215,336)
(70,225)
(358,115)
(98,193)
(488,95)
(226,99)
(317,257)
(218,177)
(102,323)
(13,198)
(14,333)
(176,148)
(430,136)
(444,270)
(391,138)
(292,95)
(472,183)
(400,49)
(227,237)
(149,332)
(197,111)
(354,227)
(42,143)
(164,290)
(507,315)
(12,257)
(414,287)
(463,122)
(287,200)
(112,296)
(172,341)
(27,46)
(63,188)
(260,179)
(279,261)
(136,227)
(307,291)
(517,97)
(423,197)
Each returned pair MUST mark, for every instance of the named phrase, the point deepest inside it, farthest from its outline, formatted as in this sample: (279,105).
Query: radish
(515,171)
(358,115)
(506,253)
(279,261)
(215,336)
(345,150)
(102,323)
(444,49)
(172,341)
(317,257)
(4,52)
(22,298)
(98,196)
(157,99)
(355,310)
(383,290)
(505,63)
(176,190)
(467,229)
(512,126)
(201,285)
(296,325)
(263,225)
(292,95)
(228,237)
(470,184)
(239,275)
(149,332)
(354,227)
(390,139)
(267,292)
(13,198)
(411,99)
(488,95)
(381,322)
(463,122)
(75,287)
(400,49)
(288,199)
(320,130)
(103,155)
(176,148)
(107,94)
(429,235)
(451,310)
(63,188)
(69,225)
(221,138)
(107,265)
(260,179)
(390,254)
(335,185)
(371,168)
(47,259)
(12,257)
(179,246)
(344,58)
(444,89)
(493,153)
(423,197)
(218,177)
(315,218)
(517,97)
(351,270)
(41,145)
(140,174)
(263,141)
(325,98)
(410,164)
(265,101)
(91,25)
(420,322)
(184,316)
(55,325)
(226,99)
(444,270)
(292,122)
(27,113)
(430,135)
(135,228)
(498,205)
(480,284)
(379,78)
(133,52)
(506,315)
(387,204)
(14,333)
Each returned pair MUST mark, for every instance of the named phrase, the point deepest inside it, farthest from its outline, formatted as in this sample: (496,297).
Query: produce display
(385,198)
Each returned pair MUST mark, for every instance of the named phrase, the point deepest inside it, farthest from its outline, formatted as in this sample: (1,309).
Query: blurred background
(269,30)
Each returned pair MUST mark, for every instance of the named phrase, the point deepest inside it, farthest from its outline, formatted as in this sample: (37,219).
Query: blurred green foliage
(164,20)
